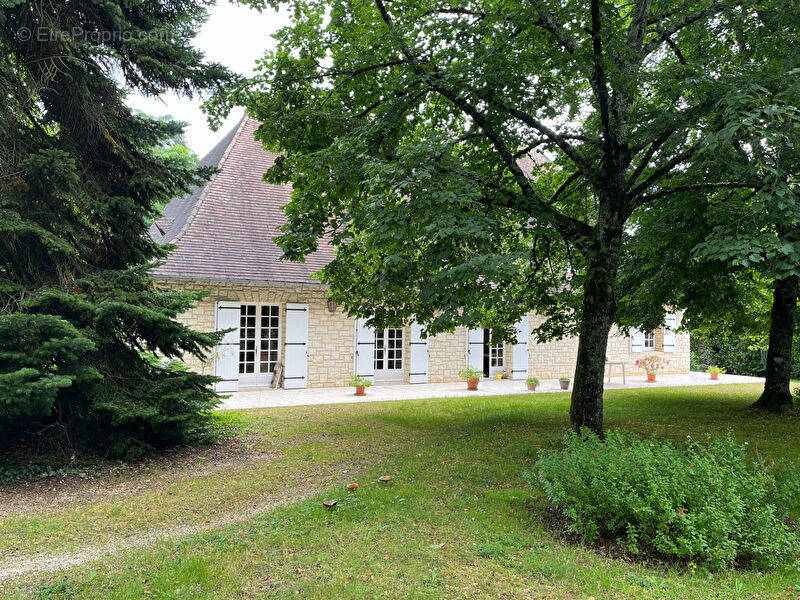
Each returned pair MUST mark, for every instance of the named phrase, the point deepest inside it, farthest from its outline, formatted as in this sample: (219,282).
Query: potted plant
(564,382)
(472,376)
(532,383)
(650,364)
(714,371)
(361,384)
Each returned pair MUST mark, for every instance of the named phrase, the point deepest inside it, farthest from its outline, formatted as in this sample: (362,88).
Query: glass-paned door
(259,343)
(494,360)
(389,355)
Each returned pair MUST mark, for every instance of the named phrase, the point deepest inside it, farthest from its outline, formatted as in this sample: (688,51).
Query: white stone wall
(331,343)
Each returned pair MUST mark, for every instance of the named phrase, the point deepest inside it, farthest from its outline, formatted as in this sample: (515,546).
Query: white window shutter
(475,349)
(226,353)
(520,350)
(637,340)
(670,324)
(418,369)
(365,350)
(295,364)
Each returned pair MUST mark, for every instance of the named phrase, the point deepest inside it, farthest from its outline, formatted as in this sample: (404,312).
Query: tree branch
(563,187)
(598,78)
(699,186)
(570,227)
(547,22)
(665,34)
(664,169)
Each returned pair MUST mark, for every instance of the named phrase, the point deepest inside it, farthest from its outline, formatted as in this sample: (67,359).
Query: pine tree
(81,321)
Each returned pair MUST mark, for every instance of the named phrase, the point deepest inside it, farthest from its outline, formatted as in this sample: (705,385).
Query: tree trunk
(776,396)
(599,308)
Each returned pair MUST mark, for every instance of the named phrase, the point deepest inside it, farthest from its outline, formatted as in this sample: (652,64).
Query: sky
(235,36)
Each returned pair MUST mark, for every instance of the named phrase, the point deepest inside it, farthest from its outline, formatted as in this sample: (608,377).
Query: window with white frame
(259,336)
(649,340)
(270,334)
(389,349)
(496,356)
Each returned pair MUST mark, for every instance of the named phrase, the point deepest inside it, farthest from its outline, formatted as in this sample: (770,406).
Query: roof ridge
(207,186)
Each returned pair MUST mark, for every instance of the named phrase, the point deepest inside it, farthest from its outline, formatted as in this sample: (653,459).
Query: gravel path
(44,563)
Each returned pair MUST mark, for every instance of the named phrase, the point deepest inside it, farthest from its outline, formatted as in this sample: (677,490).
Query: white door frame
(257,378)
(383,374)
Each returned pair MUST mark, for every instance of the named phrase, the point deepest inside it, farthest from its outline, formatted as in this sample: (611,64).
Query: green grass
(457,521)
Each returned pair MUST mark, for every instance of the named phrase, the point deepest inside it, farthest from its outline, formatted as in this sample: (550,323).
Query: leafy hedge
(707,503)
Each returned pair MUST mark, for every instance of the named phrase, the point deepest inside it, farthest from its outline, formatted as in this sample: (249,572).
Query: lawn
(457,520)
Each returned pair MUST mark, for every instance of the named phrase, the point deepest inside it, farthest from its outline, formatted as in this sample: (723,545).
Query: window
(259,327)
(650,340)
(270,332)
(247,338)
(496,355)
(389,349)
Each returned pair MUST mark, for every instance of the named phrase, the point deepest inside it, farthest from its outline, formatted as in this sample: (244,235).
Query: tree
(404,126)
(87,342)
(741,240)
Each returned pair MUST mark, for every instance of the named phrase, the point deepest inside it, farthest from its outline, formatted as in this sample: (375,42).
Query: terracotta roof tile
(224,229)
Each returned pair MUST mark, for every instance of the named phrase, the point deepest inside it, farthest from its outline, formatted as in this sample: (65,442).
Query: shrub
(706,503)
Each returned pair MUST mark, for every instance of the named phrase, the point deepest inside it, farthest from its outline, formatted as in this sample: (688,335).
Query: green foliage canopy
(81,178)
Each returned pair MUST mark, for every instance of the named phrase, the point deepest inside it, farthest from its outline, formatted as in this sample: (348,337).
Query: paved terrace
(268,398)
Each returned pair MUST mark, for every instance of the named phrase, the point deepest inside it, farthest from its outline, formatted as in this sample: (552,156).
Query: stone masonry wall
(556,359)
(332,337)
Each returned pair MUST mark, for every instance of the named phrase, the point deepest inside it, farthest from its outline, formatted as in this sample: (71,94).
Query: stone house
(279,314)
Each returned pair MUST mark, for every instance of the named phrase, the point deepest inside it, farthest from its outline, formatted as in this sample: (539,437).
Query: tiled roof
(224,229)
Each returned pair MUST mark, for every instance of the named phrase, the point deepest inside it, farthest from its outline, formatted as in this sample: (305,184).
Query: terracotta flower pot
(472,384)
(532,387)
(714,375)
(361,390)
(564,384)
(651,378)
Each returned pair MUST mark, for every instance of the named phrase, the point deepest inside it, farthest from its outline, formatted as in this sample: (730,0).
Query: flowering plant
(651,363)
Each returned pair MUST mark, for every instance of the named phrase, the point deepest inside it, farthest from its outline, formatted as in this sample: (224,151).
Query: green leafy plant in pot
(361,384)
(532,383)
(564,382)
(473,376)
(715,371)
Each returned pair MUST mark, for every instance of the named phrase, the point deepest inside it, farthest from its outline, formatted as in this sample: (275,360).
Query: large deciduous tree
(83,329)
(473,160)
(716,254)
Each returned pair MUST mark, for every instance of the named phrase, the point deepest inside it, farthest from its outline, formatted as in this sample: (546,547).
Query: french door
(259,343)
(389,355)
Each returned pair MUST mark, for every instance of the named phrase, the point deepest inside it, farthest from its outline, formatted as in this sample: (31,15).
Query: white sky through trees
(235,36)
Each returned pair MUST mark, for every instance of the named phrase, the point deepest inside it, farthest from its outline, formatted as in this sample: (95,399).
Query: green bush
(707,503)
